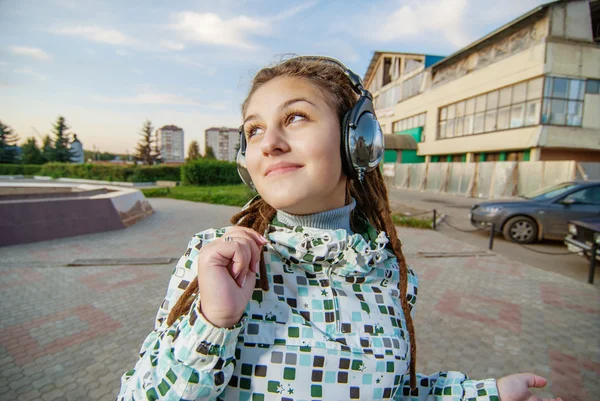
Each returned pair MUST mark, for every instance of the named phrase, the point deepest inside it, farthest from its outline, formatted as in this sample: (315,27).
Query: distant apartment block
(171,143)
(528,91)
(223,141)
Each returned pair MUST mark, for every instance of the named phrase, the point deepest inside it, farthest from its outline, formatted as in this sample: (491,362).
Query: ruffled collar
(316,250)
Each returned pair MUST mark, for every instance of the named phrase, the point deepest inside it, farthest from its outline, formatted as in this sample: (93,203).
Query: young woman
(308,296)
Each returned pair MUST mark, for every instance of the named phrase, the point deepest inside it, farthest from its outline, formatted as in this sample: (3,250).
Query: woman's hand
(516,387)
(227,270)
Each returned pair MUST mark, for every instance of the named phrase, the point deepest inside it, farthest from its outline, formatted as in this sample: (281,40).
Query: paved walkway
(68,333)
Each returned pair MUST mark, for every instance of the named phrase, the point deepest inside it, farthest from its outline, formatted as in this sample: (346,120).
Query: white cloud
(97,34)
(33,52)
(210,28)
(295,10)
(2,62)
(168,45)
(418,19)
(31,73)
(121,52)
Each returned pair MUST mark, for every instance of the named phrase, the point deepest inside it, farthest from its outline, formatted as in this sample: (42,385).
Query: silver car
(540,215)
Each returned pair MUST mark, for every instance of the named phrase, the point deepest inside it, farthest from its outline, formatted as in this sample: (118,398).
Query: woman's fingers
(246,253)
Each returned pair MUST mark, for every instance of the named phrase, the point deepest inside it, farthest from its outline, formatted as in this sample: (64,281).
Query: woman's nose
(274,141)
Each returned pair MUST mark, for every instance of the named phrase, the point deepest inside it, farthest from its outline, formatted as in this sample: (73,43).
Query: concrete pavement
(68,333)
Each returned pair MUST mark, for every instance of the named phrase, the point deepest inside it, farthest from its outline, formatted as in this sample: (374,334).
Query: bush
(20,169)
(111,173)
(209,172)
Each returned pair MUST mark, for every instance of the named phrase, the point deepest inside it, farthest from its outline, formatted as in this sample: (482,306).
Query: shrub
(209,172)
(111,173)
(19,169)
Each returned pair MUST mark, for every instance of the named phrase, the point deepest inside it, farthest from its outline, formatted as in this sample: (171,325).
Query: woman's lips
(283,170)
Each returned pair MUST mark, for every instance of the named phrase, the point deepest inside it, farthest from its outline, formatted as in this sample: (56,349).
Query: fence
(487,179)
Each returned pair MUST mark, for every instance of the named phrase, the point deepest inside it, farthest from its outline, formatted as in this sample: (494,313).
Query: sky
(108,66)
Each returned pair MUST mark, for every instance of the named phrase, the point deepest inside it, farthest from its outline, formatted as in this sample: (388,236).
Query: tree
(31,154)
(61,151)
(193,151)
(47,149)
(156,156)
(209,153)
(8,145)
(143,151)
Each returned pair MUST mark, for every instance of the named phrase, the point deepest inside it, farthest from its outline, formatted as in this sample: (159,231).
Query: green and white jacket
(331,327)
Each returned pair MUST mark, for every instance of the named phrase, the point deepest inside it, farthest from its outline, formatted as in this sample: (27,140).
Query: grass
(239,195)
(414,222)
(231,195)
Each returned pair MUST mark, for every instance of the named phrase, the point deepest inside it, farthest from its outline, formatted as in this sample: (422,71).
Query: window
(515,106)
(409,123)
(563,101)
(592,86)
(587,196)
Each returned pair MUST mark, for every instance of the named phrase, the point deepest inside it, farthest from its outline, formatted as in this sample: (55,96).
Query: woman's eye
(294,118)
(251,131)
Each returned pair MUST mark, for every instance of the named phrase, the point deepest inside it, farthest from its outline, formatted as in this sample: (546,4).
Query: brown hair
(372,201)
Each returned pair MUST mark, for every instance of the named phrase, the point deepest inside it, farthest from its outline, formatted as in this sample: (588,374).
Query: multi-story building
(171,143)
(223,141)
(530,90)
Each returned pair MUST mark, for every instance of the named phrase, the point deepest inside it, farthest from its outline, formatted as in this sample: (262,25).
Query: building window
(563,101)
(592,86)
(409,123)
(514,106)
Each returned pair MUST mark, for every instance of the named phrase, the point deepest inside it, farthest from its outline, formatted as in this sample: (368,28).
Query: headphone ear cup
(241,164)
(347,167)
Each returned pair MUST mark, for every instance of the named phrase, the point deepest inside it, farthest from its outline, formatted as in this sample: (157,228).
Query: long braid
(373,202)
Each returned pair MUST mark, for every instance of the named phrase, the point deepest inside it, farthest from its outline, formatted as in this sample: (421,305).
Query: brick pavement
(68,333)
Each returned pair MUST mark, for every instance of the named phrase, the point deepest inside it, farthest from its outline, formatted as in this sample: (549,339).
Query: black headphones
(362,139)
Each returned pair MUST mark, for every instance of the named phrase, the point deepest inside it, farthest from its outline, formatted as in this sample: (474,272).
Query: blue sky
(107,66)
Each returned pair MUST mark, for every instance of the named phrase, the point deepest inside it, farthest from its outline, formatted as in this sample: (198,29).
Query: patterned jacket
(331,327)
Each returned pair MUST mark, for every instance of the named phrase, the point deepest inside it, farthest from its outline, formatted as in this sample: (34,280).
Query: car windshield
(551,192)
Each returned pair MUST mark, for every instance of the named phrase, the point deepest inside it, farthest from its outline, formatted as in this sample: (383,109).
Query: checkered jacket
(331,327)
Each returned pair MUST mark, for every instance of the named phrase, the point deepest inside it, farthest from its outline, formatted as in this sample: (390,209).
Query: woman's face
(293,147)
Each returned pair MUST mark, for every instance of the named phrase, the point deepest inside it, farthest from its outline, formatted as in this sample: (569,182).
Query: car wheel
(521,229)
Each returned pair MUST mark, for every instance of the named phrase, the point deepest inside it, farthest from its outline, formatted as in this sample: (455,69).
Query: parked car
(541,215)
(582,234)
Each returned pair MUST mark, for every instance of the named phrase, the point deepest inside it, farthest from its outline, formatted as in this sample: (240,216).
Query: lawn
(231,195)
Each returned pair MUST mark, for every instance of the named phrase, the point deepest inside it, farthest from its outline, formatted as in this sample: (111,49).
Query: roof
(478,44)
(398,142)
(222,128)
(377,54)
(170,128)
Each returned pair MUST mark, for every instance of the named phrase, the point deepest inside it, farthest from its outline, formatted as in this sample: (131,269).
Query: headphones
(362,141)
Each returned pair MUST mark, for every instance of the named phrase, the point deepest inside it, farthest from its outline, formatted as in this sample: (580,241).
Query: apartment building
(171,143)
(223,141)
(529,90)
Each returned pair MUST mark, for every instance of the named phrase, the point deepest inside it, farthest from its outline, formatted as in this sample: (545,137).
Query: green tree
(31,154)
(61,150)
(47,148)
(8,145)
(156,156)
(143,151)
(209,153)
(194,151)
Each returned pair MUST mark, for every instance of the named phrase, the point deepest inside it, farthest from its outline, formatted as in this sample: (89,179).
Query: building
(529,90)
(223,141)
(171,143)
(77,151)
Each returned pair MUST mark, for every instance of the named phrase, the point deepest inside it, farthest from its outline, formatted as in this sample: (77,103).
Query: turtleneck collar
(328,220)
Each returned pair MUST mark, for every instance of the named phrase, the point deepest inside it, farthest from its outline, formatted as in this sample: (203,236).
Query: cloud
(210,28)
(2,62)
(33,52)
(168,45)
(295,10)
(156,98)
(97,34)
(31,73)
(121,52)
(420,19)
